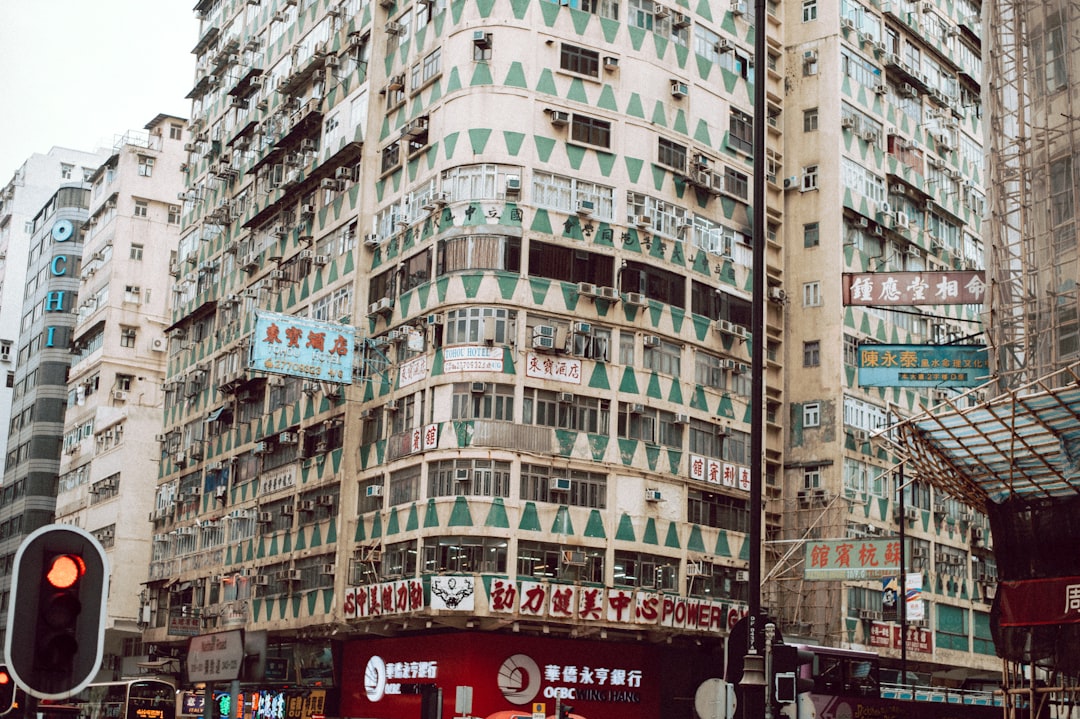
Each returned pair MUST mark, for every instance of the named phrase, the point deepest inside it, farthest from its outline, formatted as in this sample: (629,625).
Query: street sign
(216,657)
(539,710)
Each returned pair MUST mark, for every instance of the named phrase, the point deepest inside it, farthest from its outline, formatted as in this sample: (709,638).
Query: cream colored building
(114,396)
(534,219)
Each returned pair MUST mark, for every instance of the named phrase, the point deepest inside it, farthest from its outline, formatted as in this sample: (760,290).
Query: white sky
(76,73)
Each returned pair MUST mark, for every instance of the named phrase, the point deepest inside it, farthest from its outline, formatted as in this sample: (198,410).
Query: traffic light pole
(752,684)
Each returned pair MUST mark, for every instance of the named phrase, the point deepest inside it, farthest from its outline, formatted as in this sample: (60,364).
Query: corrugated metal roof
(1025,443)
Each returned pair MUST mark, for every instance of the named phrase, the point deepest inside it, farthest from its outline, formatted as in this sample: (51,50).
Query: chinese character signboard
(919,639)
(923,365)
(715,471)
(1051,600)
(302,347)
(867,558)
(966,287)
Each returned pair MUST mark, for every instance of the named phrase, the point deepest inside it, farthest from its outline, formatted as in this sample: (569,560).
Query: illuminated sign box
(923,365)
(302,347)
(852,558)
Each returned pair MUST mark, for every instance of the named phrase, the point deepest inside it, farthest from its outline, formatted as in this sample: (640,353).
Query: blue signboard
(302,347)
(923,365)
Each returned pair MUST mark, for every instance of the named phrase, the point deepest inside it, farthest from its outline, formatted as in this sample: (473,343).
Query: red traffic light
(65,570)
(5,678)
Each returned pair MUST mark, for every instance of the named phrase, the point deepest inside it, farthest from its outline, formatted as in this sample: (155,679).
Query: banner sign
(919,639)
(869,558)
(923,365)
(963,287)
(303,347)
(1035,602)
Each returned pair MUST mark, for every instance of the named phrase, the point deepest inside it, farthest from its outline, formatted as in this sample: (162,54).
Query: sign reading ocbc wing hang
(603,680)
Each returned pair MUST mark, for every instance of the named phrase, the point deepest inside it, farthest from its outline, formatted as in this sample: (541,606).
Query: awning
(215,414)
(1025,443)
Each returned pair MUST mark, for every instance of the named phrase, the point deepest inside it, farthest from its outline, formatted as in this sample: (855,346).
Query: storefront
(387,678)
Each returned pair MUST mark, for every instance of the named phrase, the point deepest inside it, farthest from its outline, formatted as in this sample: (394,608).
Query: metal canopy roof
(1024,443)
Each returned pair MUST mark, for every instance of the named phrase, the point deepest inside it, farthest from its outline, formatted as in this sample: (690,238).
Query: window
(132,294)
(176,132)
(637,421)
(811,353)
(736,183)
(124,382)
(671,154)
(479,400)
(662,356)
(140,208)
(809,10)
(811,234)
(811,477)
(544,559)
(590,130)
(472,325)
(565,193)
(811,294)
(580,60)
(5,350)
(710,509)
(128,336)
(146,166)
(952,628)
(565,410)
(391,157)
(174,214)
(741,131)
(66,170)
(577,488)
(811,414)
(810,120)
(476,477)
(648,571)
(809,178)
(136,252)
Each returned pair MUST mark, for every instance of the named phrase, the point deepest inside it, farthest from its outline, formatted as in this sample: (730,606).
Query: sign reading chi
(302,347)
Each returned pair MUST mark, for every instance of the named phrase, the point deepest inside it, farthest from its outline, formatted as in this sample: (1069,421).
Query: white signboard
(216,657)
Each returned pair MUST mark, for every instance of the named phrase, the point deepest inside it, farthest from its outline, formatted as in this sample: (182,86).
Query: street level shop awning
(1024,443)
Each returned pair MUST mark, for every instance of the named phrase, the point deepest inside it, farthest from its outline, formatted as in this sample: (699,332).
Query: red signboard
(963,287)
(1032,602)
(919,639)
(602,680)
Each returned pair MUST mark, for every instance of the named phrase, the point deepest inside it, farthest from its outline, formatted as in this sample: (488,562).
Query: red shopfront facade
(513,673)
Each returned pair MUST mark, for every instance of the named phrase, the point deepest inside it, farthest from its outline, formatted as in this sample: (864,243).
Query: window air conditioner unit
(679,89)
(560,118)
(635,298)
(265,518)
(481,39)
(611,63)
(573,558)
(680,20)
(742,575)
(374,490)
(565,398)
(287,438)
(738,7)
(585,208)
(559,484)
(653,495)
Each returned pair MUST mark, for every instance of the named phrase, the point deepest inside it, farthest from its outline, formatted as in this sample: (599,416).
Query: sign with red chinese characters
(560,369)
(867,558)
(424,438)
(963,287)
(413,371)
(385,599)
(883,634)
(616,605)
(715,471)
(302,347)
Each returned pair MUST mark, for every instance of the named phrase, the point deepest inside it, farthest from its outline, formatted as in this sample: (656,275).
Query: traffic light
(562,711)
(56,620)
(788,682)
(7,691)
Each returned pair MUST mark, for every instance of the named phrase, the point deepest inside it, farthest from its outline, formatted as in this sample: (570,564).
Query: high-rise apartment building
(533,218)
(20,200)
(117,365)
(886,177)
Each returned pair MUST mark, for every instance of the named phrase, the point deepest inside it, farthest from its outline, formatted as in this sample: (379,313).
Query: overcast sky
(76,73)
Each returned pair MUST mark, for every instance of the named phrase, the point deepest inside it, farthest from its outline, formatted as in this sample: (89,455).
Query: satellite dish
(63,230)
